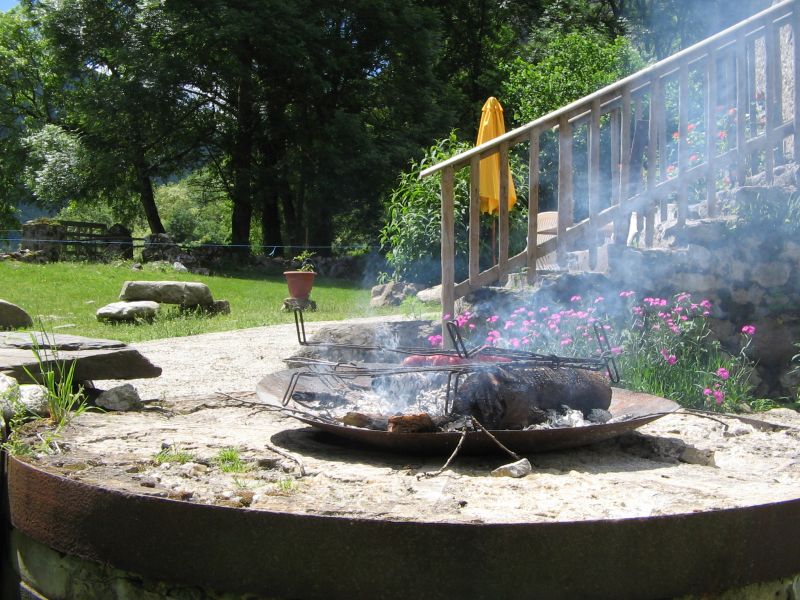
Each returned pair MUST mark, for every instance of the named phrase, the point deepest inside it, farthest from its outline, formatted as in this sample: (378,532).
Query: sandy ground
(616,479)
(228,361)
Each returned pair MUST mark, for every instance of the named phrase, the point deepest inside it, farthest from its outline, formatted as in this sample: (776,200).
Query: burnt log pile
(496,397)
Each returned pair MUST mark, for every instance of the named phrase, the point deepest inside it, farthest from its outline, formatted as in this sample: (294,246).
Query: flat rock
(35,398)
(95,359)
(128,311)
(518,469)
(188,293)
(13,317)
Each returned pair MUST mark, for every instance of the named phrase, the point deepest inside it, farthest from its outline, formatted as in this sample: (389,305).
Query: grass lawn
(66,295)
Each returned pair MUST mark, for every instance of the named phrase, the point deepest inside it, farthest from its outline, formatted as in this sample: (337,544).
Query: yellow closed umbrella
(492,125)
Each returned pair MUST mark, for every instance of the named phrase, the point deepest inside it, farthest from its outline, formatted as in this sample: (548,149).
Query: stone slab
(95,359)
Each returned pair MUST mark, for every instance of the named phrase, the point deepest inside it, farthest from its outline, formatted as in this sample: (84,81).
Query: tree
(124,75)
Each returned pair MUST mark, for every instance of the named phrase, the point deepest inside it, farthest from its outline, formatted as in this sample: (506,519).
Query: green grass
(173,454)
(66,295)
(229,461)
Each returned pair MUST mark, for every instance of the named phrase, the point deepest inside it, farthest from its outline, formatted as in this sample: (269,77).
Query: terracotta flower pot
(300,283)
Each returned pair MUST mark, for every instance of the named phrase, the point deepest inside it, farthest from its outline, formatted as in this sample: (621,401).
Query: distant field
(65,297)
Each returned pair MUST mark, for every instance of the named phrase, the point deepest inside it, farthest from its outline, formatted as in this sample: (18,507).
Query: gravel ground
(228,361)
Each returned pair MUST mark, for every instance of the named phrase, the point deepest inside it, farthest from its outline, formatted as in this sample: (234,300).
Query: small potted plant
(301,280)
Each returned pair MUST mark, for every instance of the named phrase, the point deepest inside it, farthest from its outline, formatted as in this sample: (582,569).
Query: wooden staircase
(715,113)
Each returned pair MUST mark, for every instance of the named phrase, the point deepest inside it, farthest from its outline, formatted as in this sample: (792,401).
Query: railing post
(474,220)
(683,148)
(623,222)
(796,43)
(533,206)
(652,160)
(711,133)
(771,98)
(594,180)
(564,186)
(502,255)
(741,110)
(448,249)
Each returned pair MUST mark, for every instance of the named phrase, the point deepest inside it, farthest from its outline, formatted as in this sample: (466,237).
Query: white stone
(9,395)
(521,468)
(127,311)
(35,397)
(433,294)
(188,293)
(178,266)
(773,274)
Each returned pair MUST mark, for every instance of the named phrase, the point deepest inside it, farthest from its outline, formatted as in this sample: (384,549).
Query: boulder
(392,293)
(35,398)
(518,469)
(432,294)
(13,317)
(9,395)
(121,398)
(128,311)
(187,293)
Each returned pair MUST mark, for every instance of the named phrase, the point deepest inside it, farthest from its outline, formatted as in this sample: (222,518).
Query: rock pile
(140,300)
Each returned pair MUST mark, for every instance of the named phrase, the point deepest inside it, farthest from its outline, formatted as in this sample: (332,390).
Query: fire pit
(479,400)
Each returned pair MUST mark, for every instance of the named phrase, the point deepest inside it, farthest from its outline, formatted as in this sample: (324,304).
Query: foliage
(173,454)
(304,259)
(57,167)
(666,347)
(412,232)
(567,68)
(195,209)
(229,461)
(256,299)
(64,397)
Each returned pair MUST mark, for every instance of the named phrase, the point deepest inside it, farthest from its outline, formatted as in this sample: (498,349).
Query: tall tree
(124,72)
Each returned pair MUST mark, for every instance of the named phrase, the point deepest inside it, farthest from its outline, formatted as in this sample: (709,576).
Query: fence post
(533,206)
(565,213)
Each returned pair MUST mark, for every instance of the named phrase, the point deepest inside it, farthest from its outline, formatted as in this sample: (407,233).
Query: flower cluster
(666,348)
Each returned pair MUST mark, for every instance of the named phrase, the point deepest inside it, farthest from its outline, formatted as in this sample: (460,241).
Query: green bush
(195,210)
(412,233)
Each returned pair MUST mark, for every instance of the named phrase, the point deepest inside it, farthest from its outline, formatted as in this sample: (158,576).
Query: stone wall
(750,273)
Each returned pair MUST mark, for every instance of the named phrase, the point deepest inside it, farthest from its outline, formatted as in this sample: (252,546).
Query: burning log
(418,423)
(504,398)
(366,421)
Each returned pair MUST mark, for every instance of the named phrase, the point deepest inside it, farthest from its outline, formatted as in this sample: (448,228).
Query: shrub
(412,233)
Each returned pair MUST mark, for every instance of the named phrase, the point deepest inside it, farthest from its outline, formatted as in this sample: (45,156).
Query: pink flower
(492,319)
(616,350)
(626,294)
(447,317)
(509,325)
(718,396)
(705,303)
(435,340)
(544,309)
(575,299)
(749,330)
(707,392)
(566,341)
(598,299)
(723,373)
(671,359)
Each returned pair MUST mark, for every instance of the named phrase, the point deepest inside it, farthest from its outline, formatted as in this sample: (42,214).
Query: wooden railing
(731,103)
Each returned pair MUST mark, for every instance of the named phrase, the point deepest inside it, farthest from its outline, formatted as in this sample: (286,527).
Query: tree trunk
(146,196)
(242,158)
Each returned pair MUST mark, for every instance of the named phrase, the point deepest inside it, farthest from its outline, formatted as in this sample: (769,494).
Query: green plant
(173,454)
(304,258)
(58,377)
(287,485)
(229,461)
(412,232)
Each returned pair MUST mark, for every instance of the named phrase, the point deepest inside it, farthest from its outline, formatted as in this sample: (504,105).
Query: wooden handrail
(658,69)
(650,175)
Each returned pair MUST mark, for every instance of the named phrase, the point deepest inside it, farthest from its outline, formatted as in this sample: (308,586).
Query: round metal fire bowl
(286,555)
(642,409)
